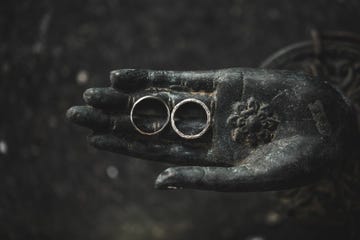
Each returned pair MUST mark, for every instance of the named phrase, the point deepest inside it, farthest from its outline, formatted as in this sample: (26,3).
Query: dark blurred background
(54,186)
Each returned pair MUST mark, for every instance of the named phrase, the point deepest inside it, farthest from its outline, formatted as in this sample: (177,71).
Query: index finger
(131,80)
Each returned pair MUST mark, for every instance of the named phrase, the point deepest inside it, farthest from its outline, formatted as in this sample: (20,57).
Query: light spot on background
(3,147)
(112,172)
(82,77)
(255,238)
(272,218)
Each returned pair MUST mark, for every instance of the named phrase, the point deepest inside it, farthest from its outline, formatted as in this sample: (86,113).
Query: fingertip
(108,142)
(179,177)
(89,95)
(115,75)
(129,80)
(87,116)
(105,98)
(73,113)
(163,180)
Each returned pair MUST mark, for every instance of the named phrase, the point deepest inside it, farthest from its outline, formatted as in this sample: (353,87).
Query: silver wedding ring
(179,106)
(154,122)
(156,129)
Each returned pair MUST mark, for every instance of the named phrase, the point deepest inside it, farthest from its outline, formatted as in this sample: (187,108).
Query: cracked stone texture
(54,186)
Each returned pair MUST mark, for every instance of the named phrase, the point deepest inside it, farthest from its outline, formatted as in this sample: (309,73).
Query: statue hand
(246,130)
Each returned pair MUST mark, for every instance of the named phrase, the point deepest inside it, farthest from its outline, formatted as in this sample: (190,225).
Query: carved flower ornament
(253,123)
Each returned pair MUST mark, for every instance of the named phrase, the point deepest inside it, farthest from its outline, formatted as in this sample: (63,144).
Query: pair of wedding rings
(169,116)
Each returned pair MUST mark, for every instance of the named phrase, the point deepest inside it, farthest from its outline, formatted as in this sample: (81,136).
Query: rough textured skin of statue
(269,130)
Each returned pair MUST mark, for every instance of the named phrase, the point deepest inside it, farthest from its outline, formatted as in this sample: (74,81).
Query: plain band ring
(142,99)
(208,118)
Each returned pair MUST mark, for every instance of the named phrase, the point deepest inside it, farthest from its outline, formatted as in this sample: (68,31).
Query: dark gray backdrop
(54,186)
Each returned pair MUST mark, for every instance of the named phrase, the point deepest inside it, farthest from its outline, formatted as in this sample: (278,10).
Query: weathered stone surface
(297,130)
